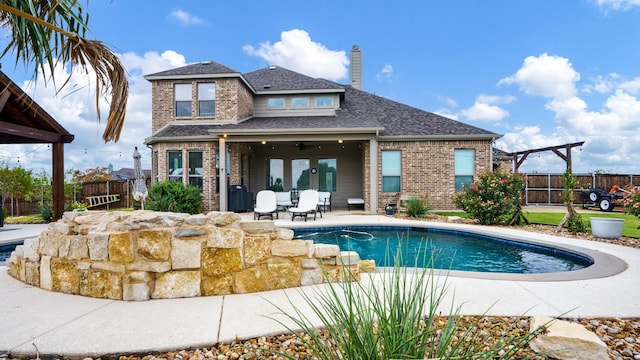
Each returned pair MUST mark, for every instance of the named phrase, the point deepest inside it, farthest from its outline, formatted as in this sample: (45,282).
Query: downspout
(222,172)
(491,154)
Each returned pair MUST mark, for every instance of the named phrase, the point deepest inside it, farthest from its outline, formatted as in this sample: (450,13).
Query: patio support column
(373,176)
(222,172)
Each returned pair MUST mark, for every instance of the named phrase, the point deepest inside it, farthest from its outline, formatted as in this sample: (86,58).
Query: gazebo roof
(23,121)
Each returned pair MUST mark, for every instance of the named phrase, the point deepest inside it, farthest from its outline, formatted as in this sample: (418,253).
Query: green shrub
(417,206)
(174,196)
(631,202)
(46,212)
(493,198)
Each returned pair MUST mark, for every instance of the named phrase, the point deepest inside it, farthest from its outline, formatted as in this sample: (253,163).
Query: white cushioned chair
(265,205)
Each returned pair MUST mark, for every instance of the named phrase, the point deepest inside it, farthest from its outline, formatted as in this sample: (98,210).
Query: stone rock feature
(143,255)
(565,340)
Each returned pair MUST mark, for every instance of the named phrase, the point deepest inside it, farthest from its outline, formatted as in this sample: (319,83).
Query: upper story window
(324,101)
(299,102)
(206,99)
(276,102)
(182,98)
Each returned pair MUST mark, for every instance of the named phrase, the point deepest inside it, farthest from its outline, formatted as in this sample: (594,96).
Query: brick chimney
(356,67)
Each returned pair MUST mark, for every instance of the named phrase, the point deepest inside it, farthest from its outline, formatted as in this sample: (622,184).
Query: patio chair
(265,205)
(283,199)
(324,201)
(307,204)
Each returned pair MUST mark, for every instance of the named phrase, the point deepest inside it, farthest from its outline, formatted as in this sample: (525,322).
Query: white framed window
(391,170)
(206,99)
(298,102)
(275,103)
(464,167)
(324,100)
(182,99)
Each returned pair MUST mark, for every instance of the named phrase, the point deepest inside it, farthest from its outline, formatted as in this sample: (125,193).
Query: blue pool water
(449,249)
(5,251)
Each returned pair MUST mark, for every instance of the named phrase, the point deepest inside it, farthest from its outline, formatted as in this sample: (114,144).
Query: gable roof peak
(207,68)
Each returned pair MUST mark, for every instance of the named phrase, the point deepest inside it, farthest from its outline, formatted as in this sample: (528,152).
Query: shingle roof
(275,78)
(201,68)
(400,119)
(358,109)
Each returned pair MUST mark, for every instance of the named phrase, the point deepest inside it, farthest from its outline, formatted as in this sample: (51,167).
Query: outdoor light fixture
(264,142)
(340,141)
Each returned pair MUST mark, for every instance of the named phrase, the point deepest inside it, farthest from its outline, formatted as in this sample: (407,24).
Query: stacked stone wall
(146,255)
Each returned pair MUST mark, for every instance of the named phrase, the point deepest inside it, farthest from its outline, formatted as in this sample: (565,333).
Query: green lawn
(630,227)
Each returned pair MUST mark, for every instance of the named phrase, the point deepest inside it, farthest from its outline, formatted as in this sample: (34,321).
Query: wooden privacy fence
(545,189)
(101,195)
(119,194)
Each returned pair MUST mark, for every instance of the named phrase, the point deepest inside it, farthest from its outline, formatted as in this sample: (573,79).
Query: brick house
(275,128)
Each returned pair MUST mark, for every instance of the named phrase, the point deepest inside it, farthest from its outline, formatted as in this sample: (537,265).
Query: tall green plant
(417,206)
(572,220)
(493,198)
(397,317)
(174,196)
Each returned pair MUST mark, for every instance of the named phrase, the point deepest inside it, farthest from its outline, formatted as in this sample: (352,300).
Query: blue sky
(540,72)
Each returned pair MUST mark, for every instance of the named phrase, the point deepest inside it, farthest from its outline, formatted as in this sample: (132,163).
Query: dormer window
(276,102)
(182,99)
(298,102)
(324,101)
(206,99)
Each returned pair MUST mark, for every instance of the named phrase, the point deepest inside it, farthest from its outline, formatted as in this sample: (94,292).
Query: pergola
(23,121)
(520,156)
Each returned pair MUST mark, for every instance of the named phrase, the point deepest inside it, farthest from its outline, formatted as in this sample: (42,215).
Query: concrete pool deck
(39,321)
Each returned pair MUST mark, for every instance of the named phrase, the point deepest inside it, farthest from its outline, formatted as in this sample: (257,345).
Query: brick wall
(428,168)
(233,101)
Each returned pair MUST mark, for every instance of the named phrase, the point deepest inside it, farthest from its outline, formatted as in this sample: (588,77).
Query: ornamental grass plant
(395,314)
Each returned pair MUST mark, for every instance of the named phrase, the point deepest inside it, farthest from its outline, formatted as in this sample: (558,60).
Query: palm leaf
(49,32)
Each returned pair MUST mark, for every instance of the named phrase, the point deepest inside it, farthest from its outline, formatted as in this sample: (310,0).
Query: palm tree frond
(51,32)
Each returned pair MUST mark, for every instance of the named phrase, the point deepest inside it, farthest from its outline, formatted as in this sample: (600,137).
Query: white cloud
(74,109)
(296,51)
(449,101)
(621,5)
(603,84)
(545,75)
(486,109)
(610,133)
(185,18)
(385,73)
(631,86)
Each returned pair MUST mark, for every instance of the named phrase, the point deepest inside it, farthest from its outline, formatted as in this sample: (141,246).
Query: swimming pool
(5,251)
(447,249)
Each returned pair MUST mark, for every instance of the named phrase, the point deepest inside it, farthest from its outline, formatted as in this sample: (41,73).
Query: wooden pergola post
(57,183)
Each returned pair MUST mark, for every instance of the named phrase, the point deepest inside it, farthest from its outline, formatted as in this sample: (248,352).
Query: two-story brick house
(275,128)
